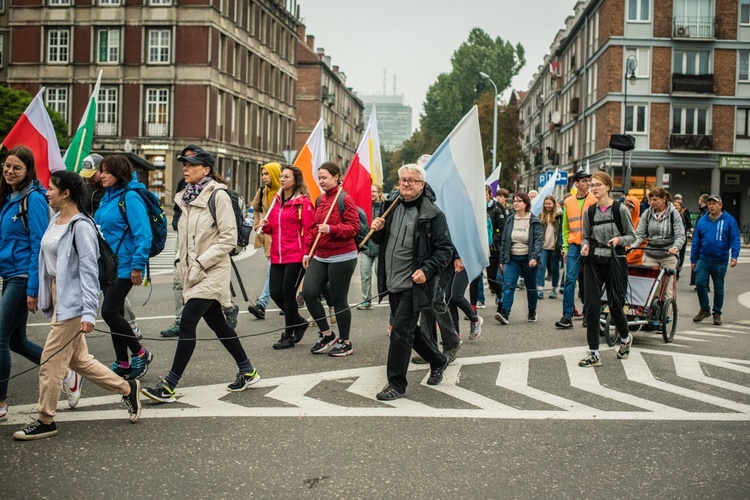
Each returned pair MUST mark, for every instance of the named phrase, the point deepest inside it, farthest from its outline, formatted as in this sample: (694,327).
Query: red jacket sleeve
(348,227)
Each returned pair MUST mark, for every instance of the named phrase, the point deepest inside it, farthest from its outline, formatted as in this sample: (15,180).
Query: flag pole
(80,149)
(393,205)
(325,221)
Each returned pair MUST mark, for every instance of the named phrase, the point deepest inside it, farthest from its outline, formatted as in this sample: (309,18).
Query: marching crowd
(53,243)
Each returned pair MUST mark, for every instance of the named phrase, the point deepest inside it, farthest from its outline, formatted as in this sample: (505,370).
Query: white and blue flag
(538,203)
(456,174)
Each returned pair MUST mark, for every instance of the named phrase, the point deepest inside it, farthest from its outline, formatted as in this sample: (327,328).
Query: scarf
(192,191)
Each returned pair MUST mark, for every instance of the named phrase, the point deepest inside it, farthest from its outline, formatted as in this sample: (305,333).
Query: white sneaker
(73,390)
(4,412)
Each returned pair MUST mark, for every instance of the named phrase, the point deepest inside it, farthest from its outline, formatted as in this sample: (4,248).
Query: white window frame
(742,120)
(683,120)
(109,3)
(635,129)
(746,5)
(686,54)
(107,110)
(639,11)
(160,3)
(56,98)
(61,46)
(643,56)
(744,56)
(159,46)
(113,52)
(58,3)
(2,49)
(157,110)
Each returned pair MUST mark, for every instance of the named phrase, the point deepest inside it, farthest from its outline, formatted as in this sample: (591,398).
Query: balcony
(156,129)
(700,84)
(691,142)
(694,28)
(106,129)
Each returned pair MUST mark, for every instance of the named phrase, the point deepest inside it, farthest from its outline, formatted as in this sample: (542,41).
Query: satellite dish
(556,117)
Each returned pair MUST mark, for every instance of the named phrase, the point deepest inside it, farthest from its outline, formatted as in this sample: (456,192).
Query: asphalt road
(514,418)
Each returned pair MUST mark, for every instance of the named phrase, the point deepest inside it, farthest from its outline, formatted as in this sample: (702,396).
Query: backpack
(107,261)
(156,218)
(364,227)
(240,210)
(616,219)
(23,209)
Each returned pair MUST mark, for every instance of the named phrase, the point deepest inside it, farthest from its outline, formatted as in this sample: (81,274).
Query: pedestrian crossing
(691,334)
(164,262)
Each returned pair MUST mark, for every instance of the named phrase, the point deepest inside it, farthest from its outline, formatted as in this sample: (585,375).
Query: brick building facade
(671,73)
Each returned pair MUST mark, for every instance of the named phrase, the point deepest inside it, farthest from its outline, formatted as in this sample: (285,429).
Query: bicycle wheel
(609,331)
(669,320)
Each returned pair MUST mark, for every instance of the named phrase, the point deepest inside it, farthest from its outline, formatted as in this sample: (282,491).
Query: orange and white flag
(312,156)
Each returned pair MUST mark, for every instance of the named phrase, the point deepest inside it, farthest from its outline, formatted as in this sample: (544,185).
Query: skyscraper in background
(394,118)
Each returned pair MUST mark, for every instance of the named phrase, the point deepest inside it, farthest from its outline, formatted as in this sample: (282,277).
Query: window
(635,119)
(741,127)
(106,111)
(57,99)
(2,49)
(58,45)
(109,46)
(53,3)
(744,65)
(158,46)
(744,11)
(160,3)
(692,62)
(157,112)
(643,56)
(689,121)
(109,2)
(639,10)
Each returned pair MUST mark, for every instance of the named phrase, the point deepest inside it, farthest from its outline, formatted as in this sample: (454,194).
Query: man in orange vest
(572,234)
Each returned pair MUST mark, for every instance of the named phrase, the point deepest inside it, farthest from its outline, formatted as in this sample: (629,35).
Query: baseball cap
(678,196)
(191,148)
(715,197)
(199,158)
(90,165)
(581,174)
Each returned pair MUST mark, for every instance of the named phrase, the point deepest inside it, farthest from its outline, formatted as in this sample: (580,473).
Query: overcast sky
(414,40)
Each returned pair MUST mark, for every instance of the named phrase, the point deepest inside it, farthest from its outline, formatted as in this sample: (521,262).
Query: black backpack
(23,208)
(107,258)
(364,227)
(240,210)
(616,219)
(156,218)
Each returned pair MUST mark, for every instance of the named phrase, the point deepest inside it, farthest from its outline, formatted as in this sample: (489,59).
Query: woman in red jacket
(290,224)
(333,262)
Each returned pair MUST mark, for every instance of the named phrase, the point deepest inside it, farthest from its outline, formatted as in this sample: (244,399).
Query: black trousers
(113,313)
(283,284)
(599,273)
(338,277)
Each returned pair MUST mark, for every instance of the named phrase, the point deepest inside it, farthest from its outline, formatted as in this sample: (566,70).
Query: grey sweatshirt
(602,233)
(666,233)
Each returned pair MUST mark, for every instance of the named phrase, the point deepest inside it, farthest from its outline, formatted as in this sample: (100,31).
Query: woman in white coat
(203,248)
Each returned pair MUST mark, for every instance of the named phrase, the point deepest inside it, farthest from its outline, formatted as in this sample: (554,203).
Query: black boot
(286,341)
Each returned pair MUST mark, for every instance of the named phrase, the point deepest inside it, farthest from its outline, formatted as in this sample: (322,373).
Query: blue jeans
(265,295)
(518,266)
(366,264)
(13,314)
(716,270)
(554,260)
(572,266)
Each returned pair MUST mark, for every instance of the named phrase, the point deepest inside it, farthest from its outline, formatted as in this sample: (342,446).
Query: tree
(12,105)
(509,151)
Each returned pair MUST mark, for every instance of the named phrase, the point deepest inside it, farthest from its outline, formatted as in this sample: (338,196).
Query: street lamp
(630,65)
(494,123)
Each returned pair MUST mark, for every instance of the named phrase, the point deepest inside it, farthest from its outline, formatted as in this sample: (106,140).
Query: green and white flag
(80,146)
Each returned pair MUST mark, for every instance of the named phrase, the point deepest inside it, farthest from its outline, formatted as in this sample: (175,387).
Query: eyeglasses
(409,182)
(596,184)
(517,201)
(15,168)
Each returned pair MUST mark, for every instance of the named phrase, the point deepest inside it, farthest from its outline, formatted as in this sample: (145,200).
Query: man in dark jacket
(497,218)
(94,189)
(415,247)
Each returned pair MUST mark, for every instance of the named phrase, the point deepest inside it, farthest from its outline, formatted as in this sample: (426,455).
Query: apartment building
(674,74)
(217,73)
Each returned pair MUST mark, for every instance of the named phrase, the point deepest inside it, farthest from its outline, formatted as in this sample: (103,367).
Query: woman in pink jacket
(290,224)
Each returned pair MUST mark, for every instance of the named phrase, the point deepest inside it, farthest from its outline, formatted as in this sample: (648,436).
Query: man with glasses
(415,247)
(572,234)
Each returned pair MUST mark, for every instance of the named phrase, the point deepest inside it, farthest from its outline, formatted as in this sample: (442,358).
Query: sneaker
(584,323)
(418,360)
(136,331)
(564,323)
(244,380)
(480,304)
(300,300)
(577,313)
(590,360)
(717,319)
(172,331)
(121,371)
(553,294)
(299,332)
(161,392)
(475,328)
(73,390)
(139,364)
(388,394)
(701,316)
(365,306)
(341,349)
(452,353)
(436,374)
(323,343)
(133,400)
(231,316)
(532,317)
(624,351)
(257,310)
(285,342)
(36,430)
(4,412)
(540,295)
(332,315)
(521,284)
(502,317)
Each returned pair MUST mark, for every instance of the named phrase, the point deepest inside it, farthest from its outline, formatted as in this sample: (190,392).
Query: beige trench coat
(203,249)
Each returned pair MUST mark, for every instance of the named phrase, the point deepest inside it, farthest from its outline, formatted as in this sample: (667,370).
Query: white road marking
(704,333)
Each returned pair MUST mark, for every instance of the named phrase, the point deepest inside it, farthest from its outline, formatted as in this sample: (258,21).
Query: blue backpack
(156,218)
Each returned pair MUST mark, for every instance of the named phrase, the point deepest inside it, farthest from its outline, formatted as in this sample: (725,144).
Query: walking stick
(393,205)
(325,221)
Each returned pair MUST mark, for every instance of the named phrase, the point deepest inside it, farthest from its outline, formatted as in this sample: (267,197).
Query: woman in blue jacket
(129,235)
(24,215)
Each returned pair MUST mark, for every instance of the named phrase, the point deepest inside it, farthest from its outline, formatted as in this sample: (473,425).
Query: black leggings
(612,275)
(457,299)
(339,276)
(284,280)
(211,311)
(113,313)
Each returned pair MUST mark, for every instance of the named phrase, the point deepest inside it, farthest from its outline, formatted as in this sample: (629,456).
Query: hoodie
(131,238)
(262,202)
(290,225)
(669,232)
(636,258)
(19,248)
(715,239)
